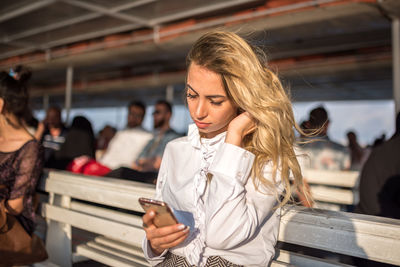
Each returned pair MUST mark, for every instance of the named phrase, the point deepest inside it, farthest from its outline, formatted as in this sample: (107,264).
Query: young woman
(229,176)
(20,154)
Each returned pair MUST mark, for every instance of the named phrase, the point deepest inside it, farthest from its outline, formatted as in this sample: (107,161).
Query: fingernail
(181,227)
(151,213)
(187,228)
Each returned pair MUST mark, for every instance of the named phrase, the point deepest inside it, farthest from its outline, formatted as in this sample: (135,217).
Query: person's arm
(29,163)
(234,211)
(303,193)
(39,131)
(142,158)
(15,206)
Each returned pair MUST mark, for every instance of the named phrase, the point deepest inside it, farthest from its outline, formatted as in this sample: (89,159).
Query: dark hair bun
(15,95)
(23,74)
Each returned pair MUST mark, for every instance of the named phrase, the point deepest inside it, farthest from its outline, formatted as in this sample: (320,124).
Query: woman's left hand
(239,127)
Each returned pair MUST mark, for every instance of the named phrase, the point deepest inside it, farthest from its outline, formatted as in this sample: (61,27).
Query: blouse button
(239,174)
(246,155)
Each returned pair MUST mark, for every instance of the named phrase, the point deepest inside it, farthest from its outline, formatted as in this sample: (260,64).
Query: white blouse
(227,216)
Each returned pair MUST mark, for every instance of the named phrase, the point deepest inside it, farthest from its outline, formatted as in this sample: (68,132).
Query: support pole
(170,94)
(396,62)
(46,102)
(68,92)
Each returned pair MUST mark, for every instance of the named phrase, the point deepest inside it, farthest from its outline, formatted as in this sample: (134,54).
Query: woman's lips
(202,125)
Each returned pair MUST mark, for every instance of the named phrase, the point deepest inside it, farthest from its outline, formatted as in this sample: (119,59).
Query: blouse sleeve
(235,213)
(29,166)
(162,174)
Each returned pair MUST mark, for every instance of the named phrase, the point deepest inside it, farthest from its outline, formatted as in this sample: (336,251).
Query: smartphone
(164,215)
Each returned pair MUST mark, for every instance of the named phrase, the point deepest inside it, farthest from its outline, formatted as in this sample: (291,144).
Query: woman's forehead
(203,80)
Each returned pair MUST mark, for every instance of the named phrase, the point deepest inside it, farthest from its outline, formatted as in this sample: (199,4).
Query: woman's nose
(201,110)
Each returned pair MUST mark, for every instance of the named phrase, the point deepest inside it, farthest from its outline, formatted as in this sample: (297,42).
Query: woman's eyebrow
(208,96)
(191,88)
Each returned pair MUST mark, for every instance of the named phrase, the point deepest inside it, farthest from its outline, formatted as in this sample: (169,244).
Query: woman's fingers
(163,237)
(148,218)
(169,240)
(153,232)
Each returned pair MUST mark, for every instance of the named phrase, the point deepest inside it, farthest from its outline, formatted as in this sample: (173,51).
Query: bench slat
(129,248)
(107,257)
(303,260)
(127,233)
(275,263)
(332,195)
(107,213)
(108,191)
(122,254)
(333,178)
(350,234)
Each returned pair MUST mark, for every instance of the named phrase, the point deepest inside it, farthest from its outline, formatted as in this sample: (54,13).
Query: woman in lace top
(226,180)
(20,154)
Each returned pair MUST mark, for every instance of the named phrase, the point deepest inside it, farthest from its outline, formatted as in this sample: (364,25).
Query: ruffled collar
(196,140)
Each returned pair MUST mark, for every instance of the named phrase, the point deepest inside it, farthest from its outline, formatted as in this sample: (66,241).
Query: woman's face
(209,106)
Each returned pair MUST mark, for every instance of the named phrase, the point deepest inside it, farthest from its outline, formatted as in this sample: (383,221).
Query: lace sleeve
(29,163)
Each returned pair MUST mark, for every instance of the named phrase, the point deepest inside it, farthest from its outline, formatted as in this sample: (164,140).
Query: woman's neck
(11,129)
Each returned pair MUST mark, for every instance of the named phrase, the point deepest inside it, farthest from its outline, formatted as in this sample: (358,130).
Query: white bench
(333,190)
(119,234)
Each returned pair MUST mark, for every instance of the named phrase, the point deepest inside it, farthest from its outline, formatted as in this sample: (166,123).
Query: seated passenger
(126,145)
(150,157)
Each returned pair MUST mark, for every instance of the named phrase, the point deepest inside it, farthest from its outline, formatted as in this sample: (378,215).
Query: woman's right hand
(164,237)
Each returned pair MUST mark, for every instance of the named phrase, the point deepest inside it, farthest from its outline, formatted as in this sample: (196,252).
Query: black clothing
(379,181)
(133,175)
(52,144)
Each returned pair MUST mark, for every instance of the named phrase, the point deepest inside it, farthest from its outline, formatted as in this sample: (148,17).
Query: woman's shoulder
(177,144)
(30,146)
(178,141)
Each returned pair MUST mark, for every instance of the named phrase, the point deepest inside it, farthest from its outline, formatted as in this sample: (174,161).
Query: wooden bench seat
(109,208)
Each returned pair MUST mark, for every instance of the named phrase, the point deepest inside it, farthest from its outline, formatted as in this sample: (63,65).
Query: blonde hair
(256,89)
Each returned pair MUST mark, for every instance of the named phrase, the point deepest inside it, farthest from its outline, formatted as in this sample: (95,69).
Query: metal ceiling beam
(68,22)
(134,83)
(107,12)
(328,44)
(49,27)
(25,9)
(199,10)
(22,44)
(71,39)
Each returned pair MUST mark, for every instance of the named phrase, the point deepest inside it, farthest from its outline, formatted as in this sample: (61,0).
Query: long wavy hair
(252,87)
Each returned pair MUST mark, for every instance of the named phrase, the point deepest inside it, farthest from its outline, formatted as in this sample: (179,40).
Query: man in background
(380,179)
(52,133)
(322,153)
(126,145)
(149,159)
(319,152)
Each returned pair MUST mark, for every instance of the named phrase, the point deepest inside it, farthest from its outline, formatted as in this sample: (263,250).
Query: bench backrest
(333,189)
(350,234)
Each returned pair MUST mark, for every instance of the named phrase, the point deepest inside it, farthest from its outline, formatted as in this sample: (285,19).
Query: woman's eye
(217,103)
(191,96)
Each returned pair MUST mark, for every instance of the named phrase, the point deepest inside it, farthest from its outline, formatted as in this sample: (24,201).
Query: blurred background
(92,57)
